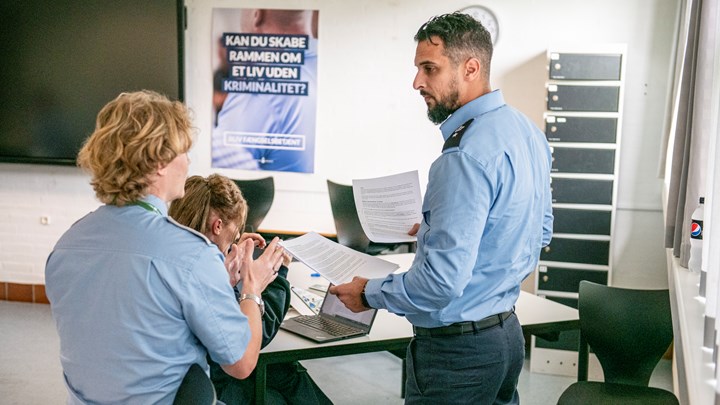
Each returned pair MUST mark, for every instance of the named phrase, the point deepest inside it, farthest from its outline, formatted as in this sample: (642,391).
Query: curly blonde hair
(216,193)
(134,134)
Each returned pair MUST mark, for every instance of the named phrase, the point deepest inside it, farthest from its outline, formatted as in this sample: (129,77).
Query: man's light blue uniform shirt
(137,299)
(486,215)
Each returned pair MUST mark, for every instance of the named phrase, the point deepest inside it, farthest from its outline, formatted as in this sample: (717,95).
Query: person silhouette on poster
(259,115)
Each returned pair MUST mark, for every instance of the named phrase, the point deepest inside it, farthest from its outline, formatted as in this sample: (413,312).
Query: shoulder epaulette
(187,228)
(454,139)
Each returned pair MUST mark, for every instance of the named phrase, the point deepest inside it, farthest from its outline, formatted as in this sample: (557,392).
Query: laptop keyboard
(326,325)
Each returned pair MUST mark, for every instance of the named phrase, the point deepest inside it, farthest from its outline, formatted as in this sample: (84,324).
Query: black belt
(462,328)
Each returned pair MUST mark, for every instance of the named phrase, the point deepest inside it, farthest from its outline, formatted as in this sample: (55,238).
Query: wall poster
(264,89)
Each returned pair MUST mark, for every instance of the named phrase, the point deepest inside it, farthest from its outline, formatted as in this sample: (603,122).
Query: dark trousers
(287,383)
(475,368)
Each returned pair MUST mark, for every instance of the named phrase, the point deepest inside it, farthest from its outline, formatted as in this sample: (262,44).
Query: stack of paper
(337,263)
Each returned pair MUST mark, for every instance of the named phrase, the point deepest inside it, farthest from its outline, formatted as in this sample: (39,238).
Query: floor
(30,370)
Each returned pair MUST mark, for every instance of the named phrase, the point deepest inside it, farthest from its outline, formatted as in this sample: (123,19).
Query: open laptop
(333,322)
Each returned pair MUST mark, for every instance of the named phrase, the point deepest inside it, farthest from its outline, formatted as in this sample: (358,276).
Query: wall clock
(486,17)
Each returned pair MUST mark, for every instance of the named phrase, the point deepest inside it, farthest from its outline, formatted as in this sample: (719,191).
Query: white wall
(372,123)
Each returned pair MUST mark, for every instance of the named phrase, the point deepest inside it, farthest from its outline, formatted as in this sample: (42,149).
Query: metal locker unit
(569,128)
(581,191)
(577,251)
(583,121)
(564,97)
(568,279)
(593,222)
(583,160)
(585,66)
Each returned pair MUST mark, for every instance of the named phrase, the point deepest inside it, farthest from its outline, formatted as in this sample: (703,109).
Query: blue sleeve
(211,311)
(548,216)
(459,191)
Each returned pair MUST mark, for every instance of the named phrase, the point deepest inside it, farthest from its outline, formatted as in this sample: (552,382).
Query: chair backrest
(259,194)
(195,388)
(347,224)
(628,330)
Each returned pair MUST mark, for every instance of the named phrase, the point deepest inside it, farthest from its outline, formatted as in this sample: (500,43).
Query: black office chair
(347,224)
(629,331)
(195,388)
(259,194)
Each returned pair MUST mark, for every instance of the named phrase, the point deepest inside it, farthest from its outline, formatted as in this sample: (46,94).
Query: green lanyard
(147,206)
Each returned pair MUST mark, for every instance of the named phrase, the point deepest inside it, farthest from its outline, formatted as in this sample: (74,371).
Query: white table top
(536,314)
(297,224)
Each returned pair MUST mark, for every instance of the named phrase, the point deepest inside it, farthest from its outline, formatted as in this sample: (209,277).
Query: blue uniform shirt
(486,215)
(137,299)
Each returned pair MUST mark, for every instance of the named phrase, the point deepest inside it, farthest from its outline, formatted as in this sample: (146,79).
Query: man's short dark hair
(463,37)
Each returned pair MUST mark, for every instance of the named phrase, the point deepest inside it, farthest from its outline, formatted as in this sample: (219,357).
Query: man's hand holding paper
(388,207)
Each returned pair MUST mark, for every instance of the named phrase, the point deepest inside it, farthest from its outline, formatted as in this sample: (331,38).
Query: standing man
(486,215)
(137,298)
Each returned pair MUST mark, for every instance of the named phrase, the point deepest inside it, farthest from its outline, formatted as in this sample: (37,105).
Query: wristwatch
(363,298)
(256,299)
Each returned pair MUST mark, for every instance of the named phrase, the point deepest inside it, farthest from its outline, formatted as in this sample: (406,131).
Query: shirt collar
(156,202)
(481,105)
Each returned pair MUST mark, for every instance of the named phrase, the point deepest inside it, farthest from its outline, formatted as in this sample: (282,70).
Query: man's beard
(445,106)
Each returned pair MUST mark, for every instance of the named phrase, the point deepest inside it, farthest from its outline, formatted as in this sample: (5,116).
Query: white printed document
(337,263)
(389,206)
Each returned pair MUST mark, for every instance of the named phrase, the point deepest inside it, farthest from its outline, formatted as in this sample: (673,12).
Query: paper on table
(389,206)
(337,263)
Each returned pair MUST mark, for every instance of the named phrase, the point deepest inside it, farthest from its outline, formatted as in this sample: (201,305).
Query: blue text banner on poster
(265,40)
(255,140)
(235,55)
(265,87)
(265,72)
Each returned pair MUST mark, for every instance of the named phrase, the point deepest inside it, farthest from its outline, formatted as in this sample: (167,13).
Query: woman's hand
(287,258)
(257,274)
(257,239)
(233,262)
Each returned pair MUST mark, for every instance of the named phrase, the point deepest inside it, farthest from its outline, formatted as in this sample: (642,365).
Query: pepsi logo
(696,229)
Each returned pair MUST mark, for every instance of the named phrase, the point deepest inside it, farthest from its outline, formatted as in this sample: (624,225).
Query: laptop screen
(332,306)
